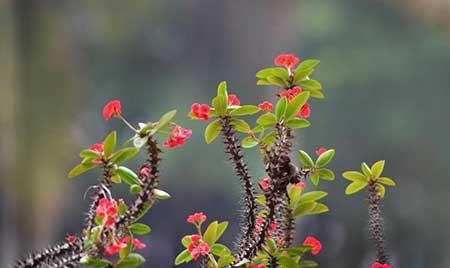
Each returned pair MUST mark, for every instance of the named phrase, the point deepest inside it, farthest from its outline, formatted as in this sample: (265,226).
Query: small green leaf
(377,168)
(122,207)
(225,260)
(140,229)
(310,84)
(304,209)
(184,256)
(296,104)
(186,241)
(312,196)
(116,179)
(109,144)
(220,104)
(315,178)
(280,108)
(212,131)
(160,194)
(262,74)
(301,74)
(269,139)
(386,181)
(249,142)
(325,158)
(366,170)
(222,89)
(319,208)
(132,261)
(281,73)
(135,189)
(124,154)
(355,187)
(297,123)
(245,110)
(96,263)
(287,262)
(267,120)
(164,120)
(354,176)
(308,264)
(240,125)
(221,227)
(89,153)
(318,94)
(210,233)
(263,82)
(81,168)
(307,64)
(326,174)
(305,159)
(381,190)
(127,175)
(277,81)
(219,249)
(138,142)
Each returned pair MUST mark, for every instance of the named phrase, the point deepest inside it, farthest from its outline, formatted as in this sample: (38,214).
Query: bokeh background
(385,69)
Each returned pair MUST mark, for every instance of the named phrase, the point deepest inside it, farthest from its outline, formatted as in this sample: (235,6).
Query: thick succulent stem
(233,149)
(71,260)
(376,224)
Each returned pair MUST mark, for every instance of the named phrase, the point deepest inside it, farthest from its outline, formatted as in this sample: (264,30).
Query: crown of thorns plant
(270,208)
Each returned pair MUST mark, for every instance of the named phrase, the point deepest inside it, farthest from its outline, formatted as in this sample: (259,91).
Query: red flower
(201,249)
(312,241)
(259,222)
(300,185)
(112,108)
(107,210)
(265,183)
(71,239)
(138,244)
(233,100)
(200,111)
(98,147)
(290,93)
(257,266)
(320,151)
(379,265)
(305,111)
(197,218)
(286,60)
(177,138)
(144,172)
(114,249)
(272,229)
(265,106)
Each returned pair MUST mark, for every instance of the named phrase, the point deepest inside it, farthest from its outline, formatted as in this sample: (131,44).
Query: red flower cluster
(287,60)
(177,138)
(196,218)
(107,210)
(122,243)
(265,106)
(312,241)
(200,111)
(98,147)
(379,265)
(305,111)
(112,108)
(320,151)
(198,247)
(257,266)
(233,100)
(259,226)
(265,183)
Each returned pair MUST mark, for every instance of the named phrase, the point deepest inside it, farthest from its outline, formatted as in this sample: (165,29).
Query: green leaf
(297,123)
(269,139)
(310,84)
(240,125)
(381,190)
(301,74)
(124,154)
(262,74)
(140,229)
(355,187)
(127,175)
(325,158)
(318,94)
(81,168)
(89,153)
(319,209)
(160,194)
(164,120)
(245,110)
(222,89)
(267,120)
(132,261)
(186,241)
(304,209)
(315,178)
(138,142)
(122,207)
(307,64)
(219,249)
(281,73)
(212,131)
(221,227)
(326,174)
(312,196)
(366,170)
(225,260)
(210,233)
(135,189)
(296,104)
(386,181)
(294,196)
(377,168)
(287,262)
(96,263)
(262,82)
(305,159)
(249,142)
(354,176)
(308,264)
(220,104)
(184,256)
(109,144)
(280,108)
(125,251)
(116,179)
(277,81)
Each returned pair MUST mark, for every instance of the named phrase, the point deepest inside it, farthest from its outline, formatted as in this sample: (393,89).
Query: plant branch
(376,224)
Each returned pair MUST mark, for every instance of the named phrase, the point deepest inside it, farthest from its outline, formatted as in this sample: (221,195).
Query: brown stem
(376,224)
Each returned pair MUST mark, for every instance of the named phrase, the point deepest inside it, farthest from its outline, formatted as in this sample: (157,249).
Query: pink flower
(138,244)
(300,185)
(112,108)
(265,106)
(272,229)
(233,100)
(177,138)
(314,243)
(144,172)
(107,210)
(71,239)
(257,266)
(201,249)
(290,93)
(114,249)
(286,60)
(197,218)
(320,151)
(98,147)
(265,183)
(379,265)
(305,111)
(200,111)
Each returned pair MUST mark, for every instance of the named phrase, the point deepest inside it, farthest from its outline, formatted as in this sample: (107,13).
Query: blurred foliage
(384,71)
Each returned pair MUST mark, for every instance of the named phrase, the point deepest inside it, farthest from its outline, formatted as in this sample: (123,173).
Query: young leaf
(305,159)
(381,190)
(123,155)
(301,74)
(221,227)
(287,262)
(355,187)
(220,105)
(267,120)
(96,263)
(245,110)
(138,142)
(164,120)
(184,256)
(219,249)
(315,178)
(262,74)
(325,158)
(281,73)
(297,123)
(135,189)
(160,194)
(127,175)
(275,80)
(240,125)
(296,104)
(377,168)
(326,174)
(249,142)
(81,168)
(386,181)
(109,143)
(318,209)
(318,94)
(222,89)
(310,84)
(354,176)
(307,263)
(263,82)
(225,260)
(140,229)
(280,108)
(210,233)
(307,64)
(312,196)
(89,153)
(366,170)
(132,261)
(212,130)
(304,209)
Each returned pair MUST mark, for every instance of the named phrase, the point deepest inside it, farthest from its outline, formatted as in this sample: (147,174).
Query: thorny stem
(233,148)
(376,223)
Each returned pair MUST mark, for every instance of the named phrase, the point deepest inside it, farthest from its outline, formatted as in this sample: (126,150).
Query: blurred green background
(385,69)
